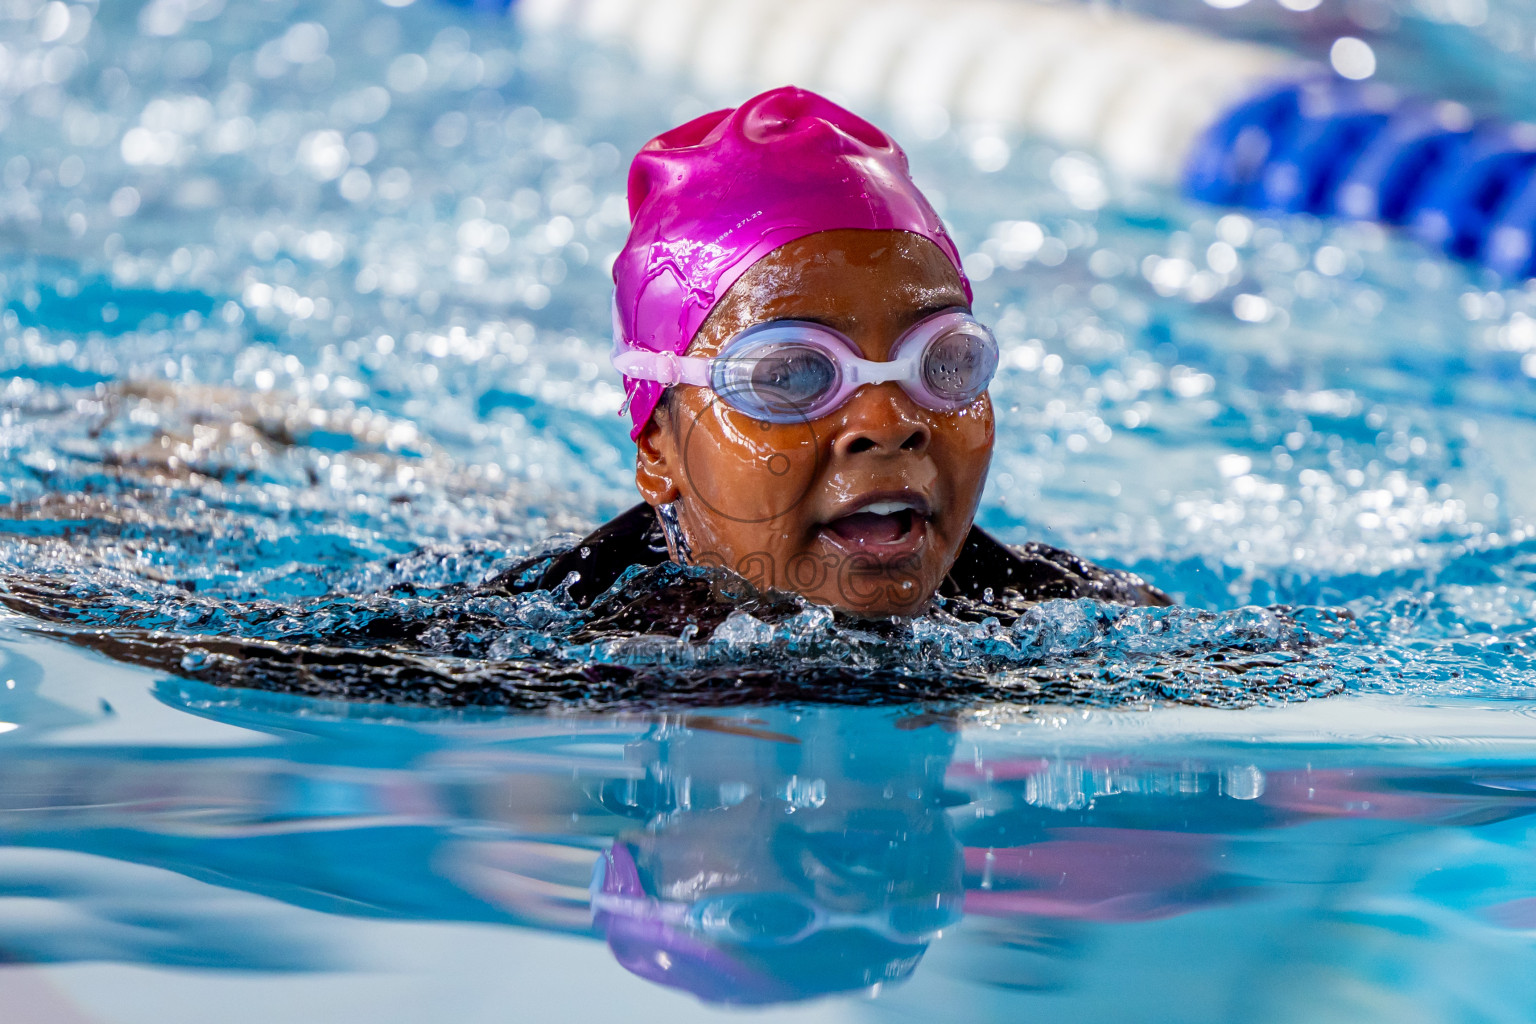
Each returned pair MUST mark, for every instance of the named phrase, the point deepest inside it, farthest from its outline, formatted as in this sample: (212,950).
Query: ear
(656,461)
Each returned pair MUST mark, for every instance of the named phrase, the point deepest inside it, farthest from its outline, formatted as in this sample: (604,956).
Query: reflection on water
(773,856)
(783,855)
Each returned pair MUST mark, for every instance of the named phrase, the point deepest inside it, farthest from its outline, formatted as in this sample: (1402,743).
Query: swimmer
(806,379)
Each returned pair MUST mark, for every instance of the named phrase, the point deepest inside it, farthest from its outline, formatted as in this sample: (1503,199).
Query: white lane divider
(1136,92)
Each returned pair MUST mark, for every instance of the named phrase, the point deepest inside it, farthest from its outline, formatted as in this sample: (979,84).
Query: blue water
(304,315)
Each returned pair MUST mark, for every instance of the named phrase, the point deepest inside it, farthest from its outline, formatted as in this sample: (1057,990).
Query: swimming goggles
(787,371)
(783,918)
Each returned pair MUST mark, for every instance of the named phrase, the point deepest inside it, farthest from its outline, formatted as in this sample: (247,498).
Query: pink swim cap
(710,198)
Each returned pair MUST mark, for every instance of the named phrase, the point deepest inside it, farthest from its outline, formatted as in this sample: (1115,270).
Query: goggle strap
(664,368)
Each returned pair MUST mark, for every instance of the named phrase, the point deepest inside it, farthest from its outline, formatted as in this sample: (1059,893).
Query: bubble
(978,266)
(71,171)
(1221,257)
(355,185)
(125,202)
(407,73)
(53,22)
(304,42)
(990,153)
(324,154)
(394,183)
(1352,57)
(1253,309)
(450,130)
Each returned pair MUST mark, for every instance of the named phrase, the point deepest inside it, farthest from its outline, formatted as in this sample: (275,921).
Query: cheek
(966,437)
(742,470)
(963,445)
(982,415)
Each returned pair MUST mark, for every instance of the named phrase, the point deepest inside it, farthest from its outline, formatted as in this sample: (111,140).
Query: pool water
(303,334)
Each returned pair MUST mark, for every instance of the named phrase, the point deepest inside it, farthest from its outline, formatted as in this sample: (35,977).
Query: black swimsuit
(989,577)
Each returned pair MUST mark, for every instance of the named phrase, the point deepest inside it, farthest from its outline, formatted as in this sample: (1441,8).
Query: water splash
(672,635)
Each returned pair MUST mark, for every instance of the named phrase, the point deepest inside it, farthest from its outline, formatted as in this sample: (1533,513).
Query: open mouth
(880,523)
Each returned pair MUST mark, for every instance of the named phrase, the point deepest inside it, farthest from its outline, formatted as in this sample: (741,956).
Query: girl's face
(864,509)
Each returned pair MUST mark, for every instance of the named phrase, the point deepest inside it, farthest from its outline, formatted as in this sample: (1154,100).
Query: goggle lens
(758,918)
(958,366)
(771,919)
(779,384)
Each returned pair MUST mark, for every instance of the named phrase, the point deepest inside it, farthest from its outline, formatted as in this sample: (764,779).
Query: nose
(881,420)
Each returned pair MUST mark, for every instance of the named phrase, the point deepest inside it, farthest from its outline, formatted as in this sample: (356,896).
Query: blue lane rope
(1328,146)
(1388,173)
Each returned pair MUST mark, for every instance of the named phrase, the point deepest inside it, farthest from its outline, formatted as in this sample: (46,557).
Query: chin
(879,597)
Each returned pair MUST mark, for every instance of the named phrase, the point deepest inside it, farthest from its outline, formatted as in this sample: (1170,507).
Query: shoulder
(991,572)
(594,563)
